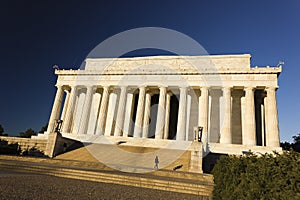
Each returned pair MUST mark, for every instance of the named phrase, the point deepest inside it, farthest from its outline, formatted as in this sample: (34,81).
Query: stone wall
(26,143)
(56,144)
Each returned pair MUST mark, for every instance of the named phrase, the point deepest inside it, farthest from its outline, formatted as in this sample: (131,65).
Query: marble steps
(129,158)
(203,188)
(80,154)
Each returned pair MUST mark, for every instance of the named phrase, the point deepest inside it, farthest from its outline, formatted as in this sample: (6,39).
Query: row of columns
(248,117)
(141,128)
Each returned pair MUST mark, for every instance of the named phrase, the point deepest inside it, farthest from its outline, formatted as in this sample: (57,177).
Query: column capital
(249,88)
(226,89)
(204,87)
(58,86)
(130,89)
(90,87)
(169,93)
(74,86)
(162,88)
(150,92)
(105,87)
(123,87)
(95,88)
(271,88)
(142,88)
(183,88)
(65,88)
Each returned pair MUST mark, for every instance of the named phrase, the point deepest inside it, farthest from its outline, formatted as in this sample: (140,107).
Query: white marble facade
(165,97)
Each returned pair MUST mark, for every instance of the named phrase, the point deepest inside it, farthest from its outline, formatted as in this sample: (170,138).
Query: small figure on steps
(156,161)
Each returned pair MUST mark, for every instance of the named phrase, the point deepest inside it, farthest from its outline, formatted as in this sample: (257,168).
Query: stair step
(154,182)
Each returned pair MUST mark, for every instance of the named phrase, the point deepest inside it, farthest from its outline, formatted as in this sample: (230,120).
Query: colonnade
(109,113)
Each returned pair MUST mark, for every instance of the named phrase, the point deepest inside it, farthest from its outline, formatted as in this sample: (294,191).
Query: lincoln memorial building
(167,98)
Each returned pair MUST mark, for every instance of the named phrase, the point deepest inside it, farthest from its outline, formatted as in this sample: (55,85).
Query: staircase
(167,180)
(130,158)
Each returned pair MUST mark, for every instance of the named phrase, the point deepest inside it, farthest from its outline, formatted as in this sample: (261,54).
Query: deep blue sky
(35,35)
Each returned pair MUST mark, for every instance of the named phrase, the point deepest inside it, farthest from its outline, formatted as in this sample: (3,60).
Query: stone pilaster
(226,136)
(139,113)
(181,125)
(55,109)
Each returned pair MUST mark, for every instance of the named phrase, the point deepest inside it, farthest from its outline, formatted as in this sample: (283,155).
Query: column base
(238,149)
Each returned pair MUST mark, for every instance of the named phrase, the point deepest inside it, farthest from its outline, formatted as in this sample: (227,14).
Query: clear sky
(35,35)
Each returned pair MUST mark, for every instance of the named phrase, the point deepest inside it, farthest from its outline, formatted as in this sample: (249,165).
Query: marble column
(70,110)
(121,111)
(66,103)
(86,110)
(160,123)
(249,134)
(147,115)
(188,116)
(139,114)
(181,125)
(263,138)
(203,115)
(78,111)
(272,130)
(102,113)
(55,109)
(94,112)
(110,114)
(128,115)
(226,136)
(167,117)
